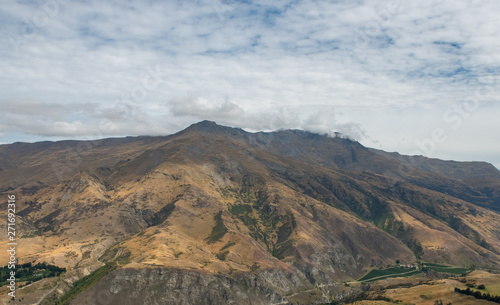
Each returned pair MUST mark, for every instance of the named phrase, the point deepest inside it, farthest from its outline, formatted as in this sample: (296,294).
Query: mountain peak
(207,126)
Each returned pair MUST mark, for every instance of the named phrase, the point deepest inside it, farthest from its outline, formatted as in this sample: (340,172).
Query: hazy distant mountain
(224,216)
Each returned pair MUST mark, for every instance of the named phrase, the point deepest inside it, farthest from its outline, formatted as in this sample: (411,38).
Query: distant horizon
(497,166)
(413,77)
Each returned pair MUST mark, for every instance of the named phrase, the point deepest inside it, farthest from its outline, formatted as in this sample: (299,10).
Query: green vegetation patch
(228,245)
(446,269)
(239,209)
(222,255)
(117,254)
(163,214)
(218,231)
(286,229)
(406,234)
(436,265)
(479,295)
(30,273)
(379,274)
(280,249)
(258,212)
(85,283)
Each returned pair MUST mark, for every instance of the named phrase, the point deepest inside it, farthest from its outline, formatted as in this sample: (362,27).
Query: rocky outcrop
(152,286)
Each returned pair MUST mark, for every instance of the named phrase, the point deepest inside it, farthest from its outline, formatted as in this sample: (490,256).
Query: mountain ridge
(302,208)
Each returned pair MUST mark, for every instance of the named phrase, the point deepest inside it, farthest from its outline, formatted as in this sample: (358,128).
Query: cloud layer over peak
(387,73)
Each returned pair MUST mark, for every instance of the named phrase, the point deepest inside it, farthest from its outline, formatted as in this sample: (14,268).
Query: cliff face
(175,286)
(228,217)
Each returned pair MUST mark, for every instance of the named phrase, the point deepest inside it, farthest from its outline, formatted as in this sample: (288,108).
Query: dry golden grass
(372,303)
(491,281)
(29,294)
(442,290)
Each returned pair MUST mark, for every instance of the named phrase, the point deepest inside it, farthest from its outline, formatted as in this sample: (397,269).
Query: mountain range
(218,215)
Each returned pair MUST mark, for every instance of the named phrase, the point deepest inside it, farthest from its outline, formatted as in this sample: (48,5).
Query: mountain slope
(290,209)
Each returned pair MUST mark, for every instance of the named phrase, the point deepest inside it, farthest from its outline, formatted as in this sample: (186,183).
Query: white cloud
(200,107)
(254,64)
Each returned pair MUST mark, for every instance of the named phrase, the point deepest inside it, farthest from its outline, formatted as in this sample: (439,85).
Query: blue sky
(418,77)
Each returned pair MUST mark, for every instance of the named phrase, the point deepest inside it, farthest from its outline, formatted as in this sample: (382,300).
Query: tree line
(479,294)
(31,272)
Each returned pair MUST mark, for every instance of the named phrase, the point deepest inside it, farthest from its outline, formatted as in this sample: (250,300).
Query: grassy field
(435,265)
(491,281)
(379,274)
(427,294)
(446,269)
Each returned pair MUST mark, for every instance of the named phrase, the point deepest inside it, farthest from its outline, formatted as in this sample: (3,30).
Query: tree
(481,286)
